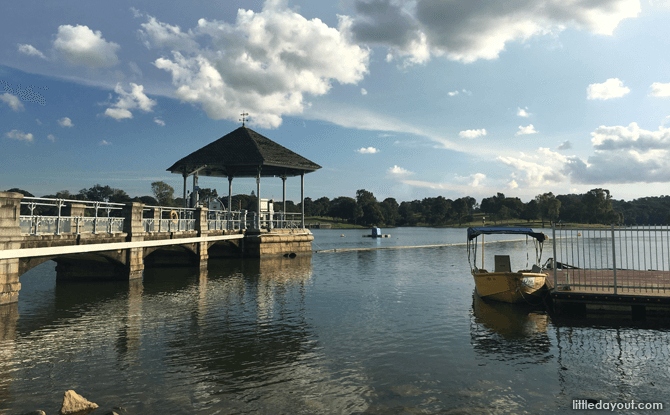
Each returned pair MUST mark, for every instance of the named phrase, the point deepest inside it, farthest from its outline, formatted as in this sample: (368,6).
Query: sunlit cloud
(521,112)
(612,88)
(368,150)
(13,101)
(19,135)
(65,122)
(526,130)
(660,90)
(80,45)
(472,133)
(30,50)
(399,171)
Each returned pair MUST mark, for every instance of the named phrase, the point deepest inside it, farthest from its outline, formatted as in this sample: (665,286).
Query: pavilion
(245,153)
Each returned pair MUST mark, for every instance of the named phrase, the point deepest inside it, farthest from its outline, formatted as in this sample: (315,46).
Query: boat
(502,284)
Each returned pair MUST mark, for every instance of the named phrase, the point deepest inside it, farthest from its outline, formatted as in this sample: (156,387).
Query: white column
(185,176)
(230,202)
(258,196)
(302,200)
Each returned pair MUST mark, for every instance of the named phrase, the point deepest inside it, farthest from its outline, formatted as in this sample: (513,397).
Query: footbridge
(98,240)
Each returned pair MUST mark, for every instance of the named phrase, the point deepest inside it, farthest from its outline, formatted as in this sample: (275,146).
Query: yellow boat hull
(510,287)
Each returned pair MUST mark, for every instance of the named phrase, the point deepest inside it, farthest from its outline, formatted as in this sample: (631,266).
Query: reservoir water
(363,332)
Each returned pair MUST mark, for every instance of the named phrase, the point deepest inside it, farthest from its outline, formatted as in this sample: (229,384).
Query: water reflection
(612,360)
(9,315)
(510,331)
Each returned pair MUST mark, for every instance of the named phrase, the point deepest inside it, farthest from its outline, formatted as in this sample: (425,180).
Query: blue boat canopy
(475,232)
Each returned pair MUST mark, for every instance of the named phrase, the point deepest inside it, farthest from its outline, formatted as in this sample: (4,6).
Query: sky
(406,99)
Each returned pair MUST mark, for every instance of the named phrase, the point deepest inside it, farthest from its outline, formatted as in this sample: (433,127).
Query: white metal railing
(46,217)
(620,259)
(169,219)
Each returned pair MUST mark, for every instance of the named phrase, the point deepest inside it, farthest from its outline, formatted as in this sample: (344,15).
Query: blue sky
(407,99)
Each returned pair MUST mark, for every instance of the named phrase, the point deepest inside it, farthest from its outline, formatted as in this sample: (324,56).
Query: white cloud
(472,133)
(540,169)
(37,120)
(521,112)
(129,101)
(612,88)
(104,143)
(364,91)
(526,130)
(19,135)
(368,150)
(81,46)
(452,93)
(631,137)
(468,31)
(159,122)
(399,171)
(30,50)
(162,35)
(265,62)
(13,101)
(565,145)
(621,155)
(65,122)
(477,178)
(513,184)
(660,90)
(136,13)
(51,138)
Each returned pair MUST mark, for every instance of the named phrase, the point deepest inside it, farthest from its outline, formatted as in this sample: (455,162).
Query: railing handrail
(94,202)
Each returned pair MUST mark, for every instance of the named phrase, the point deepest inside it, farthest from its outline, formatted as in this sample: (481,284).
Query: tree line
(593,207)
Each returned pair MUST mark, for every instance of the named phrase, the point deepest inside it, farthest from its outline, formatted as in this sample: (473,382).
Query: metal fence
(44,216)
(40,216)
(612,259)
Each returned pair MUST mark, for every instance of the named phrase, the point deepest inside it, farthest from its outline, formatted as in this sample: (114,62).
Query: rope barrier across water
(406,247)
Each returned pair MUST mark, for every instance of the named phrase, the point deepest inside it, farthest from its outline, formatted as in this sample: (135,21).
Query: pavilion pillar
(258,197)
(230,203)
(283,182)
(185,176)
(302,200)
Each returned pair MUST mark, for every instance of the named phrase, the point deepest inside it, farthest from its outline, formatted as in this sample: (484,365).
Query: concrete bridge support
(10,238)
(133,227)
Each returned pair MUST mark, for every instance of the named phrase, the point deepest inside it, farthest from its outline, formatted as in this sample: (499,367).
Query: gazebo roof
(242,153)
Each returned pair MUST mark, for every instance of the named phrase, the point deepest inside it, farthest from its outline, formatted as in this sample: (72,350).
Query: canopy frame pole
(230,202)
(185,177)
(302,199)
(258,196)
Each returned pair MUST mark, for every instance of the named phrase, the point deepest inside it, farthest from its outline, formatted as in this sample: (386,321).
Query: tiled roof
(240,154)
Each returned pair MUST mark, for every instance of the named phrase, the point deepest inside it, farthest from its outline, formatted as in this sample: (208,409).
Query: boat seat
(502,263)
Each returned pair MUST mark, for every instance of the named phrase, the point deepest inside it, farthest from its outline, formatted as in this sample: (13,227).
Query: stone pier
(10,238)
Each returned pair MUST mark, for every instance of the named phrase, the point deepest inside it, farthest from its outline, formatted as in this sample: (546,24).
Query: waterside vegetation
(595,207)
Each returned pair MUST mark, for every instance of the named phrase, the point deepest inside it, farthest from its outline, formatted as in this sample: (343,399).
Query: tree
(531,211)
(549,207)
(389,208)
(164,193)
(598,203)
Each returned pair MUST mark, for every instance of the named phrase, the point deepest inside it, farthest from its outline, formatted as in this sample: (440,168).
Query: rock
(35,413)
(74,403)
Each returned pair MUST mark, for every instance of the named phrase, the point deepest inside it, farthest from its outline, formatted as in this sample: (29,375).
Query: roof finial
(244,114)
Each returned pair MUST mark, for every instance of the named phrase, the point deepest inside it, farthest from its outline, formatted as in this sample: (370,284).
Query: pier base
(278,242)
(10,238)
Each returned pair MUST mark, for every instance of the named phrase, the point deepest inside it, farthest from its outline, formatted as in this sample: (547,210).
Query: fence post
(553,243)
(614,260)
